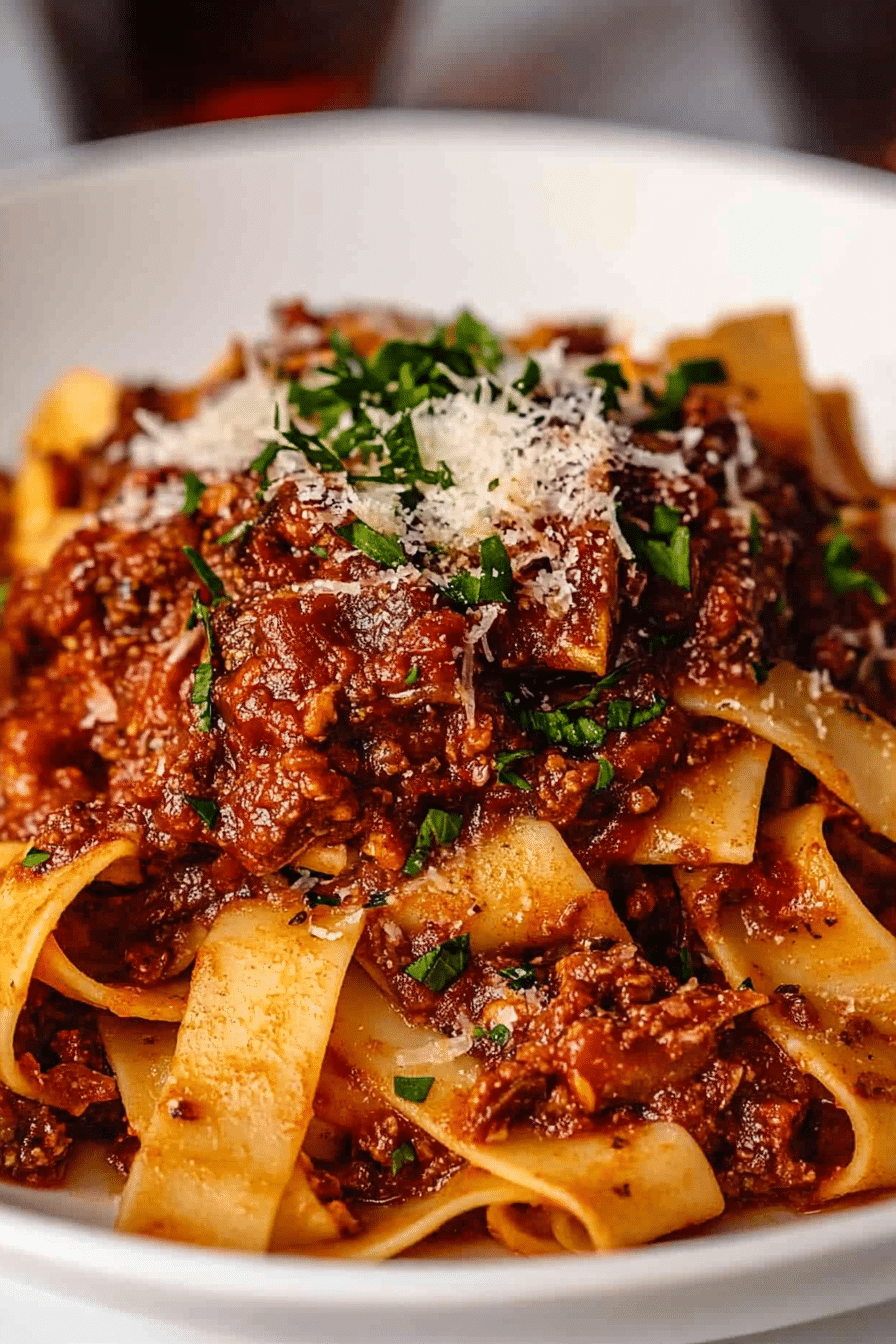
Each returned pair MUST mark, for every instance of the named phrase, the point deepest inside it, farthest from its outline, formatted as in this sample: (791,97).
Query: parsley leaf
(316,898)
(401,1156)
(619,715)
(503,760)
(194,489)
(746,984)
(497,1035)
(380,546)
(412,676)
(412,1089)
(437,828)
(610,374)
(206,808)
(689,373)
(528,379)
(321,551)
(207,576)
(761,671)
(646,713)
(686,969)
(376,899)
(440,967)
(755,536)
(842,576)
(474,336)
(201,694)
(236,532)
(667,553)
(519,977)
(4,595)
(495,584)
(604,775)
(35,857)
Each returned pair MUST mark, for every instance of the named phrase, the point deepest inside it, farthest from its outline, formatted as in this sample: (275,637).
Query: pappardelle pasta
(449,788)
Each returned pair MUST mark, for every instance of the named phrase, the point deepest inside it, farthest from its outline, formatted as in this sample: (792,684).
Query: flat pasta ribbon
(231,1117)
(625,1185)
(851,750)
(32,901)
(843,961)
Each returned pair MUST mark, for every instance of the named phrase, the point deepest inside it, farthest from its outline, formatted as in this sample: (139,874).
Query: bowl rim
(27,1236)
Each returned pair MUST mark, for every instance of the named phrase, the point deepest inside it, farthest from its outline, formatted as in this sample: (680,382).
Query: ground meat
(34,1141)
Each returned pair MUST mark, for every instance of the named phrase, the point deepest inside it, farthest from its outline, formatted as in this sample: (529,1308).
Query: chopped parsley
(746,984)
(236,532)
(755,536)
(207,576)
(35,857)
(613,379)
(562,729)
(842,576)
(194,489)
(497,1035)
(604,775)
(494,584)
(494,483)
(474,336)
(619,715)
(412,676)
(437,828)
(667,406)
(761,671)
(686,964)
(528,379)
(321,551)
(671,640)
(401,1156)
(504,760)
(412,1089)
(4,595)
(376,899)
(379,546)
(566,727)
(201,694)
(206,808)
(440,967)
(666,548)
(316,898)
(646,713)
(519,977)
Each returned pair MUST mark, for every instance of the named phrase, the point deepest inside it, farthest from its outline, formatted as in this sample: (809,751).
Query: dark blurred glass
(135,65)
(841,57)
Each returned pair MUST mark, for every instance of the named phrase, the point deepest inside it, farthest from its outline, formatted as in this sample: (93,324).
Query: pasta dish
(449,789)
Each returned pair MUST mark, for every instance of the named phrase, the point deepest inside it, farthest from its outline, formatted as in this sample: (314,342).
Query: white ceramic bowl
(140,257)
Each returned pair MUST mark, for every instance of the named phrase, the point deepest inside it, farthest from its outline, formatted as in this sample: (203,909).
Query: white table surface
(29,1316)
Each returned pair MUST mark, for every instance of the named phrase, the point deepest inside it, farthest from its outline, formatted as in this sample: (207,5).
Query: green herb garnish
(376,899)
(234,533)
(437,828)
(746,984)
(528,379)
(401,1156)
(4,595)
(761,671)
(316,898)
(842,576)
(321,551)
(495,584)
(472,335)
(412,1089)
(505,775)
(666,549)
(755,536)
(497,1035)
(519,977)
(412,676)
(667,406)
(194,489)
(646,713)
(207,575)
(440,967)
(35,857)
(604,775)
(380,546)
(619,715)
(613,379)
(494,483)
(206,808)
(686,969)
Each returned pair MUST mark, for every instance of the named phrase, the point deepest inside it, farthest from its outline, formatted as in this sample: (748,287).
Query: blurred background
(817,75)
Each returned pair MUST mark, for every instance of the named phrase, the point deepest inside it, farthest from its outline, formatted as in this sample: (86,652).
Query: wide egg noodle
(32,901)
(843,962)
(231,1117)
(625,1185)
(521,887)
(709,813)
(851,750)
(165,1002)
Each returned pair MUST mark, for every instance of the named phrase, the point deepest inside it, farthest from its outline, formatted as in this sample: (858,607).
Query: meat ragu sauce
(349,697)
